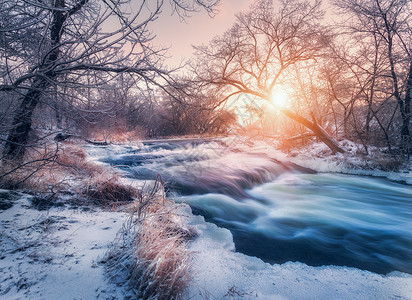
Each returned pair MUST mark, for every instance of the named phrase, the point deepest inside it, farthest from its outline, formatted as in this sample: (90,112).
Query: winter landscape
(205,149)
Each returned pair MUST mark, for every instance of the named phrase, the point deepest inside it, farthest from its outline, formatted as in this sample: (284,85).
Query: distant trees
(352,79)
(120,110)
(63,46)
(261,50)
(191,110)
(93,63)
(377,35)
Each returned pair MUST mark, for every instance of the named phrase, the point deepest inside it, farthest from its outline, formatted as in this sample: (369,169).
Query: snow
(345,165)
(55,253)
(220,272)
(317,156)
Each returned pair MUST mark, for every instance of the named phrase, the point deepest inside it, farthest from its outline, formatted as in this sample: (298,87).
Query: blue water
(281,212)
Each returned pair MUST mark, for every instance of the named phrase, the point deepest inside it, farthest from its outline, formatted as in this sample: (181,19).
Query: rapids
(279,211)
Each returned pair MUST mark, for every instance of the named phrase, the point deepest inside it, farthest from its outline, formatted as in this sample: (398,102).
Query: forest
(64,70)
(87,95)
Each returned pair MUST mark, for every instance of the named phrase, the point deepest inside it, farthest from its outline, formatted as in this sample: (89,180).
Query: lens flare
(279,97)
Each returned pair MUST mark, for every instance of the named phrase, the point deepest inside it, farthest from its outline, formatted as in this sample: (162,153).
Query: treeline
(121,110)
(62,69)
(348,79)
(75,63)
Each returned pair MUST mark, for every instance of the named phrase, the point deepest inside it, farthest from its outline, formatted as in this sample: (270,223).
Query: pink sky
(198,29)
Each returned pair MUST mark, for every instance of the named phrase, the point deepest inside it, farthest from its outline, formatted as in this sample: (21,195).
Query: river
(279,211)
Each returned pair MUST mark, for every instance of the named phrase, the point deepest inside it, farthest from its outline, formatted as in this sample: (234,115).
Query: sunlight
(279,97)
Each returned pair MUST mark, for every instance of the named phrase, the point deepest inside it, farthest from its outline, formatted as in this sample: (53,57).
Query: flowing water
(281,212)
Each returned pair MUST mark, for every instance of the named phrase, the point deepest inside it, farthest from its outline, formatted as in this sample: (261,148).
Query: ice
(55,254)
(220,272)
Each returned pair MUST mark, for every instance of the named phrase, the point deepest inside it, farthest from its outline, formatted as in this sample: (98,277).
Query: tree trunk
(16,143)
(317,130)
(406,139)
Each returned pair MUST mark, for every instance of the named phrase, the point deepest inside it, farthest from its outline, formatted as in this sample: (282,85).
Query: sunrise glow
(279,97)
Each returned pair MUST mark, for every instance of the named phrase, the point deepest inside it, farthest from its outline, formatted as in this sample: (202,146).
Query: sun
(279,97)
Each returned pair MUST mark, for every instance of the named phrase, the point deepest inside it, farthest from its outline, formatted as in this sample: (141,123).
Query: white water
(282,213)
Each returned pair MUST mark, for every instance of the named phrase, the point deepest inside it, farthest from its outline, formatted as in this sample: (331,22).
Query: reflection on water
(281,212)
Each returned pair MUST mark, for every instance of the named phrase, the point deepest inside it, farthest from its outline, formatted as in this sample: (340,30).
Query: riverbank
(98,235)
(67,242)
(354,161)
(57,255)
(317,156)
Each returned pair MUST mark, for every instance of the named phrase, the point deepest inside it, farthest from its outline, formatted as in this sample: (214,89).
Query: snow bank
(317,156)
(56,253)
(220,272)
(339,164)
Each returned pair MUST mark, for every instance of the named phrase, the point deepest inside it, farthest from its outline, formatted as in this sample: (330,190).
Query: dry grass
(48,169)
(235,293)
(59,167)
(33,173)
(149,199)
(71,155)
(161,259)
(384,162)
(105,188)
(151,256)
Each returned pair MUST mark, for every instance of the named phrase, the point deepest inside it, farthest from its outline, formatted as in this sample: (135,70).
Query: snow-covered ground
(220,273)
(318,157)
(54,252)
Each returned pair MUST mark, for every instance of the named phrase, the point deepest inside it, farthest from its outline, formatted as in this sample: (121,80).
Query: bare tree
(352,74)
(261,49)
(72,44)
(190,109)
(386,26)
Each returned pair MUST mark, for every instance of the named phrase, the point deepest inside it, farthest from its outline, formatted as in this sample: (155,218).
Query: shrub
(150,256)
(34,172)
(161,260)
(106,188)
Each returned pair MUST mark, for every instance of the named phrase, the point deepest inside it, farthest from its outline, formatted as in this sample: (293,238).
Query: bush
(106,189)
(150,256)
(161,260)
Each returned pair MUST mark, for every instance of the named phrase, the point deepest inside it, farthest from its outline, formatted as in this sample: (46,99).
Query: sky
(196,30)
(199,28)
